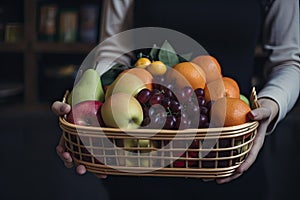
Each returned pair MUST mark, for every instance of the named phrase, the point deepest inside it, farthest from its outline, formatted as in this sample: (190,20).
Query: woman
(229,30)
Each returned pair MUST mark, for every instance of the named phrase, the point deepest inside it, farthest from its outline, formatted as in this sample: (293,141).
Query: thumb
(259,114)
(60,108)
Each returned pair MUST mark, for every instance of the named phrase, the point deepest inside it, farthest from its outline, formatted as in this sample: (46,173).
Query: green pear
(89,87)
(245,99)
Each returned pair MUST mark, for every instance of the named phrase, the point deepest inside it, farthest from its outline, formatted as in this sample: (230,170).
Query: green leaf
(154,52)
(168,55)
(185,57)
(108,77)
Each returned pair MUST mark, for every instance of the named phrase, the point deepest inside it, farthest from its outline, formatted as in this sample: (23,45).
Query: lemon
(157,68)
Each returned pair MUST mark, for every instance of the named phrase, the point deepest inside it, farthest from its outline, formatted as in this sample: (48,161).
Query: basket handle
(253,99)
(64,100)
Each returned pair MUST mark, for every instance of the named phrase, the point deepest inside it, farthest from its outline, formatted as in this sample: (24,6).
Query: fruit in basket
(210,66)
(125,83)
(229,111)
(89,87)
(86,113)
(142,62)
(122,110)
(224,87)
(157,68)
(185,74)
(143,74)
(244,98)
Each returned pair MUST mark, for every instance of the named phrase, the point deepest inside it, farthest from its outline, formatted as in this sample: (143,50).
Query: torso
(227,30)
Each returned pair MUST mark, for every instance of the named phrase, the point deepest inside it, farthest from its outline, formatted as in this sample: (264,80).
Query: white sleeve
(117,16)
(281,39)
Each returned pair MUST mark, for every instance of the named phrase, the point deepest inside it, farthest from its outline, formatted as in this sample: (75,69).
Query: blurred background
(42,44)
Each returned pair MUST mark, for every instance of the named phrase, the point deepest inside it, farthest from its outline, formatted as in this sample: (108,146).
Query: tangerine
(188,73)
(224,87)
(210,66)
(143,74)
(229,111)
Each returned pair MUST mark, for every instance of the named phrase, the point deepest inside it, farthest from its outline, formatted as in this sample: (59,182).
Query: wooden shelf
(12,47)
(58,47)
(34,51)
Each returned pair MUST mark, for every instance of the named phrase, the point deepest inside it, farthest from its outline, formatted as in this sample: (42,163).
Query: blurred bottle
(89,20)
(48,19)
(68,25)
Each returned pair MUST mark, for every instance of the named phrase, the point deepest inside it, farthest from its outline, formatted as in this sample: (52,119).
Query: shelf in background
(58,47)
(12,47)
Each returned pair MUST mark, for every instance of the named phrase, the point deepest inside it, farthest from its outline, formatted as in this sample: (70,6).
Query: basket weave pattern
(104,151)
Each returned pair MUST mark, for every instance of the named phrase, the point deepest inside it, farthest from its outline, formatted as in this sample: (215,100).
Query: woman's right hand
(60,108)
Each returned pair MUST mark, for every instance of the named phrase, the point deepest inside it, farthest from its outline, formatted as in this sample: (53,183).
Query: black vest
(227,29)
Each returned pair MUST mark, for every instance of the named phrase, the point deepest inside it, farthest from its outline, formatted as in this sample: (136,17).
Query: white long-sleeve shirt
(281,38)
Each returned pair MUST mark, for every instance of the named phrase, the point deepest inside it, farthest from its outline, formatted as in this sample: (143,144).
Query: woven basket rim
(218,130)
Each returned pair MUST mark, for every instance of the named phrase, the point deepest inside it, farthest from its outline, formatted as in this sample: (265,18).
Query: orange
(142,62)
(189,73)
(210,66)
(157,68)
(143,74)
(229,111)
(224,87)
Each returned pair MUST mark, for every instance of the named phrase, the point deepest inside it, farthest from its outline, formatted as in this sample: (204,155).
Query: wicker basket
(171,153)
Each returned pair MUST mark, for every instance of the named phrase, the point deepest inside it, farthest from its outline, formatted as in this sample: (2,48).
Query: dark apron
(228,30)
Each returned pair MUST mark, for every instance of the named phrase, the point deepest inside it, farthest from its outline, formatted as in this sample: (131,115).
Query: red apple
(86,113)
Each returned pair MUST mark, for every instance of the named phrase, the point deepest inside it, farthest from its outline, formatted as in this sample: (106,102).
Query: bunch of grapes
(167,107)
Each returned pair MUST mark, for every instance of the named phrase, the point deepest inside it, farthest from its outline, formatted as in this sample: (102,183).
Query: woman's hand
(60,108)
(265,114)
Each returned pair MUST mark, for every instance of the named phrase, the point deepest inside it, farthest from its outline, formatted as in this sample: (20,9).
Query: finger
(102,176)
(228,179)
(68,161)
(257,145)
(60,108)
(260,114)
(60,148)
(80,169)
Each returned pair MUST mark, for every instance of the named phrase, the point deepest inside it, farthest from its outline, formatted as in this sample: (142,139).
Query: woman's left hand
(265,114)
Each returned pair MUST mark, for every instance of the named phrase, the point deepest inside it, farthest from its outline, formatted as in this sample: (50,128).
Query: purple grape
(201,101)
(146,121)
(188,91)
(168,93)
(146,111)
(153,110)
(166,102)
(170,122)
(175,106)
(156,99)
(203,119)
(204,110)
(144,95)
(199,92)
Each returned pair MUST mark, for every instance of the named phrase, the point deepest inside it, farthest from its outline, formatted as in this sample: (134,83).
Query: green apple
(126,83)
(89,87)
(245,99)
(121,110)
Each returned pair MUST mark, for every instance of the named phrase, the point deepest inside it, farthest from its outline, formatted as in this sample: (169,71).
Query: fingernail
(252,115)
(63,108)
(59,149)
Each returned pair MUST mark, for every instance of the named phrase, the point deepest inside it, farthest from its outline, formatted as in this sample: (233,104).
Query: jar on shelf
(14,32)
(68,25)
(89,20)
(48,22)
